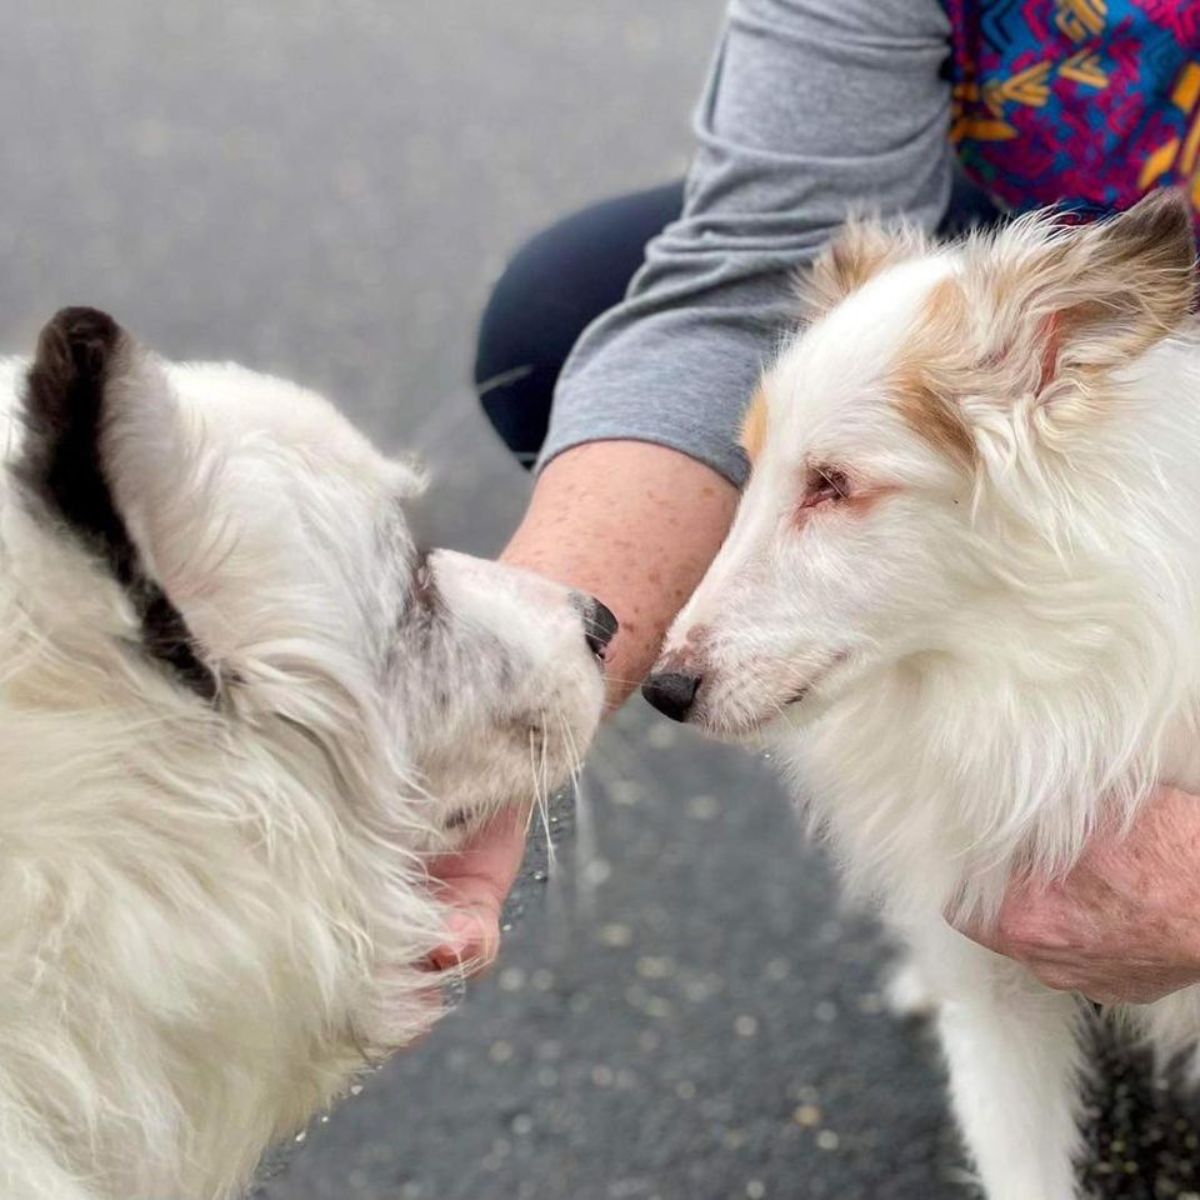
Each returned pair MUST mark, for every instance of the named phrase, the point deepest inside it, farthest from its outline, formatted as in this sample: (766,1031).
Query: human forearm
(634,524)
(814,107)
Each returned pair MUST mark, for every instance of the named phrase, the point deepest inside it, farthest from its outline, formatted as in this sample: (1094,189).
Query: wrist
(635,525)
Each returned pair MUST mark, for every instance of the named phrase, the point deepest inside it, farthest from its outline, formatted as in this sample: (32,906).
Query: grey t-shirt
(814,109)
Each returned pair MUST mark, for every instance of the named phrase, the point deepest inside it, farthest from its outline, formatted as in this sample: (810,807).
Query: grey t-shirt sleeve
(813,109)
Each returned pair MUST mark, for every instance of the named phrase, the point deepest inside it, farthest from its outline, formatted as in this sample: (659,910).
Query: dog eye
(825,485)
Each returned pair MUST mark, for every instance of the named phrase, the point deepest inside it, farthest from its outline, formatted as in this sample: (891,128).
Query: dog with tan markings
(961,600)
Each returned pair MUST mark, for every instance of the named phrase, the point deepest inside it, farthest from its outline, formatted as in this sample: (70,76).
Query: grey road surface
(326,191)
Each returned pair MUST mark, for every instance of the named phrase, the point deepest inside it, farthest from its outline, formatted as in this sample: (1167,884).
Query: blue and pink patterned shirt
(1090,103)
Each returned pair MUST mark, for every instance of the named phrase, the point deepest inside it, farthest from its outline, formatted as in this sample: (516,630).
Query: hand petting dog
(1124,926)
(476,881)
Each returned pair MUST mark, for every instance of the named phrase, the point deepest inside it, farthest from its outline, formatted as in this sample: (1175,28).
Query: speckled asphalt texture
(682,1011)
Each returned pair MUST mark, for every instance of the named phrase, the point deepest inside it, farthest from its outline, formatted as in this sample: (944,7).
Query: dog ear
(76,407)
(1088,299)
(860,251)
(64,414)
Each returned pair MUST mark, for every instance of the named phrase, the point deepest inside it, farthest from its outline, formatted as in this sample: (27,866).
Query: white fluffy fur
(970,660)
(213,915)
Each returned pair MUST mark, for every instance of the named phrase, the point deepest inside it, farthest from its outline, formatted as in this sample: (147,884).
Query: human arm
(633,523)
(637,525)
(813,108)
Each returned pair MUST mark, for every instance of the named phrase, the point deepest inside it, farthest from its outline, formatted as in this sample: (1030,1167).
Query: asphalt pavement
(326,191)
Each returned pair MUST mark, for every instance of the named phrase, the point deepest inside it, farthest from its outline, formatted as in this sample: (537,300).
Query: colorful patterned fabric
(1088,103)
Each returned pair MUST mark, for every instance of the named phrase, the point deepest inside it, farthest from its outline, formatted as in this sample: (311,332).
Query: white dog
(961,598)
(237,704)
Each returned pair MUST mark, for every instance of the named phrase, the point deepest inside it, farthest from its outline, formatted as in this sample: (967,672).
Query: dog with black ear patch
(238,708)
(62,465)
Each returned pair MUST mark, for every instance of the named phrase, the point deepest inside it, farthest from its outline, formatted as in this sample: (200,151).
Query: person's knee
(536,312)
(519,351)
(564,277)
(553,287)
(505,333)
(531,315)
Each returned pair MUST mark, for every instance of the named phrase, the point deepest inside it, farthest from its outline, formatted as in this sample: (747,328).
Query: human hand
(1124,925)
(476,881)
(576,531)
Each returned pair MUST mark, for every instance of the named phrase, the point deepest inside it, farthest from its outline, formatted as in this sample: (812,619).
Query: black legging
(552,290)
(566,277)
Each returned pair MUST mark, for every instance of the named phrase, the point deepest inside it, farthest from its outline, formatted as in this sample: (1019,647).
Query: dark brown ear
(80,354)
(859,252)
(60,462)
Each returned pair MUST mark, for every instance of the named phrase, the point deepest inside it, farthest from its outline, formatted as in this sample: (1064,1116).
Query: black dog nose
(599,627)
(672,693)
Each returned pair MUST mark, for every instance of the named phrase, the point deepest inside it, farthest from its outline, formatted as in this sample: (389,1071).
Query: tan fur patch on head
(856,255)
(1041,315)
(754,426)
(933,371)
(933,416)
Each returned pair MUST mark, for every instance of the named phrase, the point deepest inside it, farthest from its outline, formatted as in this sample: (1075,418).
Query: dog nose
(599,627)
(672,693)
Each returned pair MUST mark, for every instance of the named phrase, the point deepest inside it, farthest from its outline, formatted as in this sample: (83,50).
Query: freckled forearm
(634,524)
